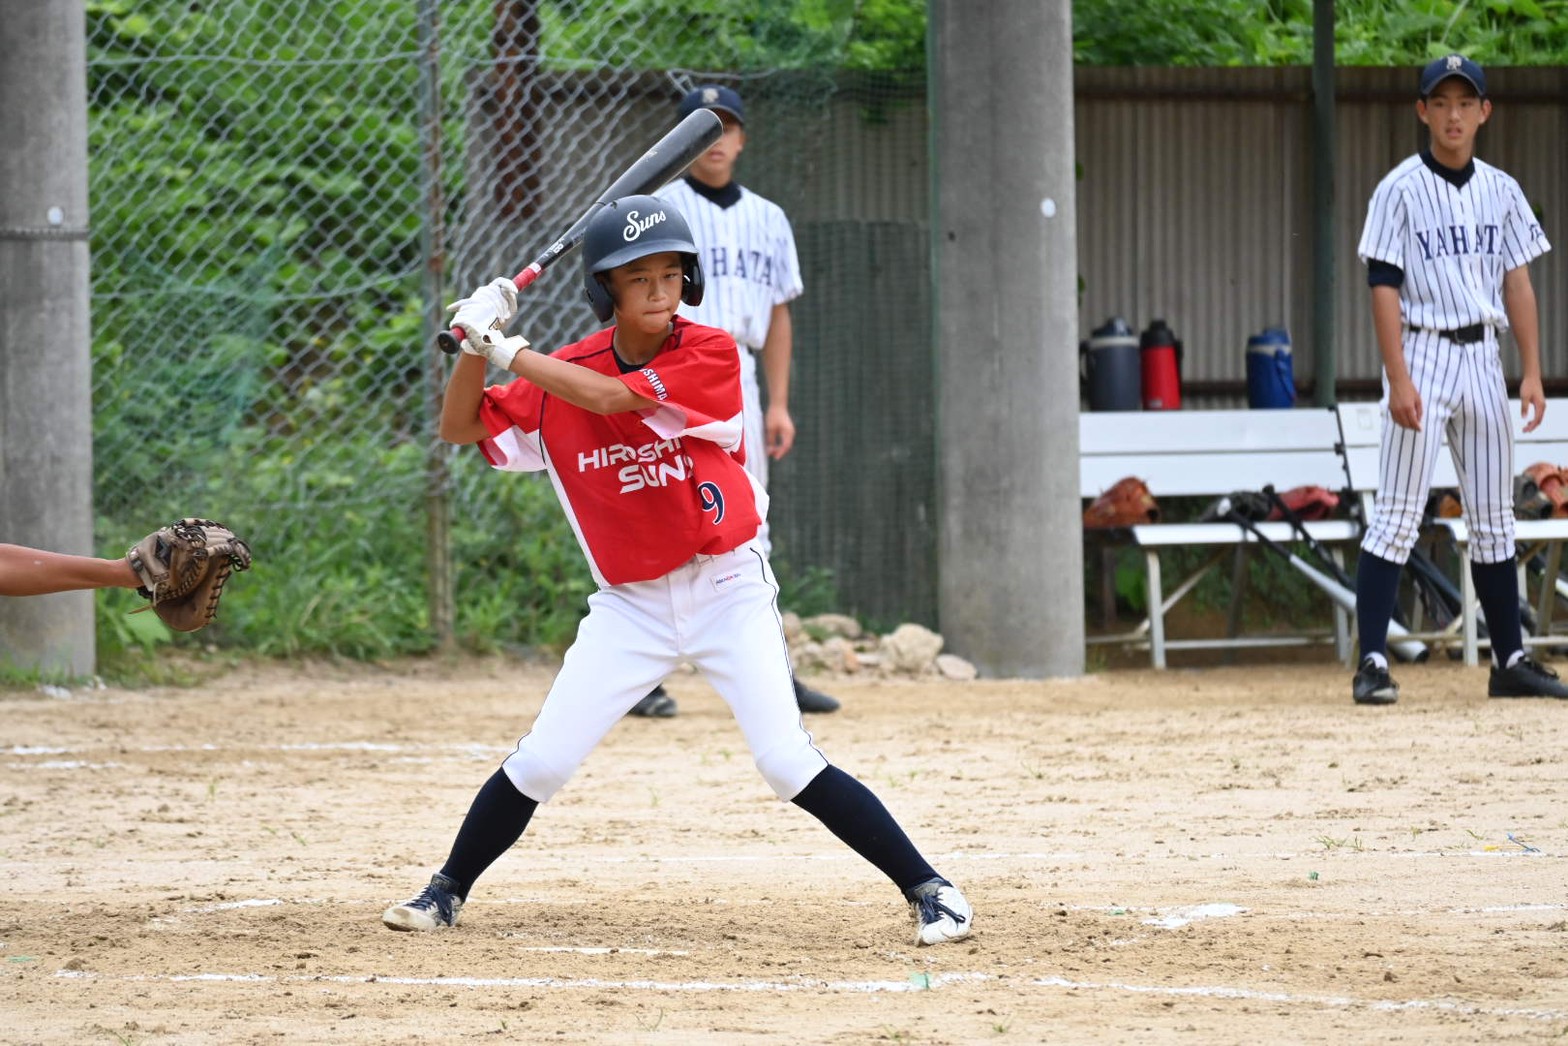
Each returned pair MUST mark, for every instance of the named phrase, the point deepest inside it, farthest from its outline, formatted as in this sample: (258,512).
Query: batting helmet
(630,228)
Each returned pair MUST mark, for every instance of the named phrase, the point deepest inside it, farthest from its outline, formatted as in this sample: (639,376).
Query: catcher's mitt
(183,568)
(1128,503)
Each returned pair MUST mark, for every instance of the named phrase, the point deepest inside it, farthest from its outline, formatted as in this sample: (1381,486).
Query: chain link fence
(284,193)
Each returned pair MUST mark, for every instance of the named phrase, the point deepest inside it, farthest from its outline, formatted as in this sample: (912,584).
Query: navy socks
(1497,587)
(495,821)
(853,813)
(1377,589)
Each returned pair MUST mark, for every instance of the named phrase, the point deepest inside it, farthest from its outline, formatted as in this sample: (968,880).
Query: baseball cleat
(1373,685)
(657,705)
(1526,677)
(809,700)
(941,913)
(436,907)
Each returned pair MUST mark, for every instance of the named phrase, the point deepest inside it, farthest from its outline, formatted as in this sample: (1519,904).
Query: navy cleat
(809,700)
(1373,685)
(1526,677)
(657,705)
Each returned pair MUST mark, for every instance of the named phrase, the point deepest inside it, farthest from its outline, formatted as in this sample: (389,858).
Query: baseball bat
(1409,649)
(651,171)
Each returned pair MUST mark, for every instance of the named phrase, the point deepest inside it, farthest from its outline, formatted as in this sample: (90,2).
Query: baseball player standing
(753,273)
(639,427)
(1447,245)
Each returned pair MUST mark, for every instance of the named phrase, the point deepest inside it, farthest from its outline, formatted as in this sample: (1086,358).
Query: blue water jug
(1271,377)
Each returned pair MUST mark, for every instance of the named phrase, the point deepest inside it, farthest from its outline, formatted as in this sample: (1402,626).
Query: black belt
(1460,335)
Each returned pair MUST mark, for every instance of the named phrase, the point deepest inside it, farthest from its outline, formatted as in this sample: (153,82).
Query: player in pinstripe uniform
(753,273)
(1447,244)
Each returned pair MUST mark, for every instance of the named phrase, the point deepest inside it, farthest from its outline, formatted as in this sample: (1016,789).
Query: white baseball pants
(719,613)
(1463,395)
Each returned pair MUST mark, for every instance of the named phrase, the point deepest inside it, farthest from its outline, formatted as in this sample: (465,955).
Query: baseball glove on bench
(1541,492)
(183,568)
(1126,504)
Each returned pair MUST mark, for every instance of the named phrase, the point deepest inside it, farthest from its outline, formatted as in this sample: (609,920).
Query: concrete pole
(45,360)
(1010,586)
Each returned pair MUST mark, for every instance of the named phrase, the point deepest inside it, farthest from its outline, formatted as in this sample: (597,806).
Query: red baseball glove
(1128,503)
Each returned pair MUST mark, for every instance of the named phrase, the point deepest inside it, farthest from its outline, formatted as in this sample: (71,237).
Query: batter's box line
(925,982)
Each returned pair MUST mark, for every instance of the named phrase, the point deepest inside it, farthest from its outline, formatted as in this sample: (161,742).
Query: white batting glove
(497,349)
(485,312)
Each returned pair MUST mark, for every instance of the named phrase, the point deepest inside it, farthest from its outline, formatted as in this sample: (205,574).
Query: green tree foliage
(1279,32)
(890,34)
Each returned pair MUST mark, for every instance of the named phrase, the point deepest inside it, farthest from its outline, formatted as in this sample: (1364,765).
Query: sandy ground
(1195,856)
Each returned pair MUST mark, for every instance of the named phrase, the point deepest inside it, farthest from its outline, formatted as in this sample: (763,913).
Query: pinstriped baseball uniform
(1453,235)
(749,265)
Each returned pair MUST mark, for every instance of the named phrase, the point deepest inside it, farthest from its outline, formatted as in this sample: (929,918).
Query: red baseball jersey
(644,491)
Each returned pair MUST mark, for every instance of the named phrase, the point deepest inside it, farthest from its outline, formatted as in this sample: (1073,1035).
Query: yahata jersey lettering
(749,264)
(644,492)
(1453,241)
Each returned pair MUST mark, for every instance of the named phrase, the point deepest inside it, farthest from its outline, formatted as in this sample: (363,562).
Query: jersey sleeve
(1383,236)
(787,285)
(512,413)
(1523,238)
(697,388)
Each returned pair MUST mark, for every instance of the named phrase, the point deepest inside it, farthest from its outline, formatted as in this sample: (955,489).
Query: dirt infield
(1195,856)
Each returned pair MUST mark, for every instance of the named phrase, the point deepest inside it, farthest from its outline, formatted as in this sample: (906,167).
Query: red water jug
(1160,353)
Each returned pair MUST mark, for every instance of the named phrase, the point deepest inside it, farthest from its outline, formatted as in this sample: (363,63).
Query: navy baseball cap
(713,96)
(1452,65)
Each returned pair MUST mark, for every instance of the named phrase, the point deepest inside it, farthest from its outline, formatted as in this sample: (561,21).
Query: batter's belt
(1459,335)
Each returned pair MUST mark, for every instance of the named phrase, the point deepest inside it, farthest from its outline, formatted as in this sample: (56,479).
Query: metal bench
(1211,454)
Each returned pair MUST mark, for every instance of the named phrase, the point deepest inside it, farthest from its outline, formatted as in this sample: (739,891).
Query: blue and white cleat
(941,912)
(436,907)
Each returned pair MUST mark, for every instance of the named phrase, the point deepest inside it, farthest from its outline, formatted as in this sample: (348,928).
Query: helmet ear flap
(598,296)
(692,288)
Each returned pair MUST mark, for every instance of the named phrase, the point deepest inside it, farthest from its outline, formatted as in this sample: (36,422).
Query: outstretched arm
(33,572)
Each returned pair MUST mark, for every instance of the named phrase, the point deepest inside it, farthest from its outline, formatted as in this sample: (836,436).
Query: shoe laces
(1371,669)
(1534,667)
(931,910)
(437,898)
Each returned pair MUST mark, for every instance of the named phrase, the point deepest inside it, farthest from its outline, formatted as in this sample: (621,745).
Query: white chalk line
(916,982)
(1166,917)
(465,748)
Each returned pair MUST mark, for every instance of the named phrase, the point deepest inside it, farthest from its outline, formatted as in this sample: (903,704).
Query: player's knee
(1490,544)
(789,769)
(534,777)
(1394,537)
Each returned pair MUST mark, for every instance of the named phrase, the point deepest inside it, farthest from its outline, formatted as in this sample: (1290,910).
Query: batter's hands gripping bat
(667,157)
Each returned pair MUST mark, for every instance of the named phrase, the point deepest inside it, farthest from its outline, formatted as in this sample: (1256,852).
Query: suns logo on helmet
(636,225)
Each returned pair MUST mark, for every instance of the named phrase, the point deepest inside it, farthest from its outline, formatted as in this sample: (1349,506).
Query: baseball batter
(638,427)
(753,273)
(1447,245)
